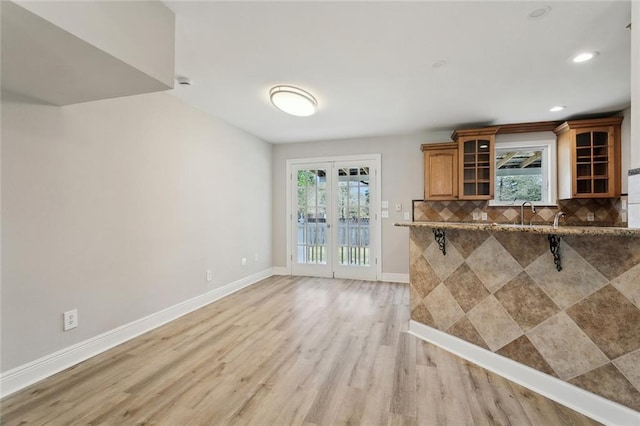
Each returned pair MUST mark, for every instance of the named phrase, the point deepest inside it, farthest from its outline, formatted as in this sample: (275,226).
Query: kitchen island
(564,301)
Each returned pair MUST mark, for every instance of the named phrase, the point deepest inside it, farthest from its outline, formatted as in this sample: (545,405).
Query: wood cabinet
(476,162)
(589,164)
(440,171)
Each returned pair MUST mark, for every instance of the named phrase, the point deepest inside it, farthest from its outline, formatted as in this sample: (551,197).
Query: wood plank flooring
(303,351)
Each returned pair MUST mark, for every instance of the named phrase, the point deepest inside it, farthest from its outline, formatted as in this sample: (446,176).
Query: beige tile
(443,265)
(414,297)
(524,249)
(611,255)
(493,323)
(421,314)
(523,351)
(577,279)
(629,365)
(419,240)
(443,307)
(493,264)
(629,284)
(422,277)
(608,382)
(466,331)
(610,320)
(565,347)
(527,304)
(466,288)
(466,242)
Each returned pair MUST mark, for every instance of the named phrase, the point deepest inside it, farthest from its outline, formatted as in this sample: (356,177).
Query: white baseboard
(578,399)
(395,278)
(20,377)
(280,270)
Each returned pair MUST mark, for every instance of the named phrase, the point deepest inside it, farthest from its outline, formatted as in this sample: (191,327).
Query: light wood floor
(285,351)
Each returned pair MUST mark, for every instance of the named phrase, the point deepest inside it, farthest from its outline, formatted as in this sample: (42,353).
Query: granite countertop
(535,229)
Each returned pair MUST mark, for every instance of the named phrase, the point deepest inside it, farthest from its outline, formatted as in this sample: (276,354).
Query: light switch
(407,216)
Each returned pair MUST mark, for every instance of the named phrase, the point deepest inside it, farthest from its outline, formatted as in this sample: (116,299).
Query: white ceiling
(370,64)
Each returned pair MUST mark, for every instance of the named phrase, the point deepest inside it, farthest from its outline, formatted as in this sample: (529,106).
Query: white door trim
(377,160)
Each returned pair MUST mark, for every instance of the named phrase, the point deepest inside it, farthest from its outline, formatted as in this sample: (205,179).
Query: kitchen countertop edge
(532,229)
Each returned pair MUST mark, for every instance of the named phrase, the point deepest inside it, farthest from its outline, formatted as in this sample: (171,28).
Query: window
(525,171)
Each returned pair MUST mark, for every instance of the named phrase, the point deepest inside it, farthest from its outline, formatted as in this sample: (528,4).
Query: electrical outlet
(70,319)
(407,216)
(398,207)
(483,215)
(385,214)
(476,216)
(591,217)
(209,275)
(244,261)
(384,204)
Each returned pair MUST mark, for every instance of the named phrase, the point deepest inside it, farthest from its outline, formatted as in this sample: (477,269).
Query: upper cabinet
(476,162)
(440,171)
(589,164)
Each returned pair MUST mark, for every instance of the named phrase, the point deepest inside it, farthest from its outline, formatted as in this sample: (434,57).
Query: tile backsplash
(606,212)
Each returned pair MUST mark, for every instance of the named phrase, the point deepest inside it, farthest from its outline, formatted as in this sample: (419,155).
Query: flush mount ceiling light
(293,100)
(584,57)
(558,108)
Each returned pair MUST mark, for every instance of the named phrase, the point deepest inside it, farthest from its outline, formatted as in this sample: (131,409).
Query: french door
(334,222)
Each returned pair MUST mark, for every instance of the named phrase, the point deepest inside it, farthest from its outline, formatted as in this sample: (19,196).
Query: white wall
(635,84)
(117,208)
(139,33)
(402,181)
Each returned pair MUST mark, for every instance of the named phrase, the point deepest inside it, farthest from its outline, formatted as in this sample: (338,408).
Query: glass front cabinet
(476,165)
(589,158)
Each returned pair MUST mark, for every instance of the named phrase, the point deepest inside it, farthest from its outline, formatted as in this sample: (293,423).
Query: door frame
(377,225)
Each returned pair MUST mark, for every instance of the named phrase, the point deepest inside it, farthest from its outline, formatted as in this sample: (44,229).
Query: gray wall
(117,208)
(402,176)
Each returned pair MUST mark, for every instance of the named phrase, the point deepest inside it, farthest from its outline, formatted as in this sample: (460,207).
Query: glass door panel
(353,252)
(310,227)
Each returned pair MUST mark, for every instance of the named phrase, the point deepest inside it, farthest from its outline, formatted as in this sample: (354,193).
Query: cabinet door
(441,174)
(476,161)
(594,165)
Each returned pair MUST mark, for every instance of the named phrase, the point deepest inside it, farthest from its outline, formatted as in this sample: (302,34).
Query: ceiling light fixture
(539,13)
(558,108)
(293,100)
(584,57)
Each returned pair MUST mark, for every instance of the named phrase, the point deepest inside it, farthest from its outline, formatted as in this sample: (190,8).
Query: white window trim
(549,170)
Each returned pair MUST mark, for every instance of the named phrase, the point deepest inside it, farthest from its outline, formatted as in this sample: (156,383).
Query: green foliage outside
(509,188)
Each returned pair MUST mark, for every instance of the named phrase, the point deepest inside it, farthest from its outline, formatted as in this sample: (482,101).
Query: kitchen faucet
(533,210)
(556,219)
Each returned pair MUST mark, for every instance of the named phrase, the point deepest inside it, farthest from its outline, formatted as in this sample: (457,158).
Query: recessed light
(293,100)
(558,108)
(584,57)
(540,12)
